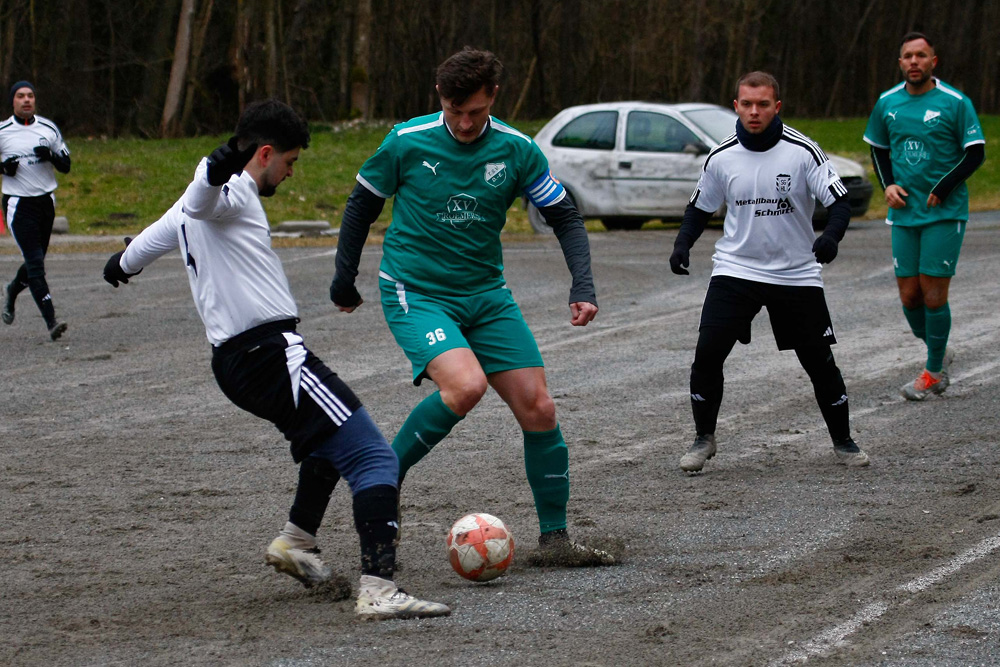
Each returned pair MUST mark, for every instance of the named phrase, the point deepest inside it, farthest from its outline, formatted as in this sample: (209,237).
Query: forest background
(115,73)
(165,68)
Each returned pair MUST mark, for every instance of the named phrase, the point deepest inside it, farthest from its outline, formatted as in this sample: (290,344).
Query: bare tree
(178,70)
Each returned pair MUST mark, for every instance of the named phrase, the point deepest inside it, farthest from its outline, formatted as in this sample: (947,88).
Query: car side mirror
(696,148)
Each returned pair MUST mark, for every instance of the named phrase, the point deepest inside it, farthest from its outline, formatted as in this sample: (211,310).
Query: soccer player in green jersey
(454,174)
(926,141)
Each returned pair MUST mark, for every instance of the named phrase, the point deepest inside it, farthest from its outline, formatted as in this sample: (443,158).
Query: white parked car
(629,162)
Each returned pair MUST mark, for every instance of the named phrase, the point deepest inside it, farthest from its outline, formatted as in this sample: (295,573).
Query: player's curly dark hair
(274,123)
(466,73)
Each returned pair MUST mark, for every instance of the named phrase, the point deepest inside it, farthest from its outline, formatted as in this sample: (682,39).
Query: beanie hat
(18,86)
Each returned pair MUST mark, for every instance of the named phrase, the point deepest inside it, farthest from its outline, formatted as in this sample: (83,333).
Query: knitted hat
(18,86)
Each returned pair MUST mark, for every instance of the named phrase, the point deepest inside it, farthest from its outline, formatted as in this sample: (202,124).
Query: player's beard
(921,80)
(268,190)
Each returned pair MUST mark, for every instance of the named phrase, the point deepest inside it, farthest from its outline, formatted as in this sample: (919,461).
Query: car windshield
(718,123)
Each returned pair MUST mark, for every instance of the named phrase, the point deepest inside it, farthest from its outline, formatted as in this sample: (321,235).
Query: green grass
(843,137)
(118,186)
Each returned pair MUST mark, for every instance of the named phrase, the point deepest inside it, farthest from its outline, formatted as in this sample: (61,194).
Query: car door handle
(625,165)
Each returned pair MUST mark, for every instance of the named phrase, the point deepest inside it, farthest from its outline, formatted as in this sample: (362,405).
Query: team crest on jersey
(460,211)
(914,151)
(932,118)
(496,173)
(783,183)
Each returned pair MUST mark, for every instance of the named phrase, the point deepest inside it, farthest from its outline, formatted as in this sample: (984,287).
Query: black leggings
(707,379)
(30,220)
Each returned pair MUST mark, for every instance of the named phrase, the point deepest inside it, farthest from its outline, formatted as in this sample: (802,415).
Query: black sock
(375,519)
(40,291)
(830,390)
(317,479)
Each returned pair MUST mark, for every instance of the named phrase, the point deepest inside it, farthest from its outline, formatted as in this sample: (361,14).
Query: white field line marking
(984,548)
(836,635)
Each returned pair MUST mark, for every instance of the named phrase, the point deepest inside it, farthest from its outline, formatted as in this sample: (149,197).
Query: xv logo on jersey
(932,118)
(496,173)
(783,183)
(914,152)
(460,211)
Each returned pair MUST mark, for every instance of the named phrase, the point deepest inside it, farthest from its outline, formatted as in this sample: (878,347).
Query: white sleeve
(824,182)
(153,242)
(203,201)
(709,194)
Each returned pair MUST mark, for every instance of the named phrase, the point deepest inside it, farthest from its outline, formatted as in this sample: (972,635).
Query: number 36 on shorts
(435,336)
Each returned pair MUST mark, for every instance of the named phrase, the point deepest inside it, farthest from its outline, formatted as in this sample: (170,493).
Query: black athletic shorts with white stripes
(268,372)
(799,315)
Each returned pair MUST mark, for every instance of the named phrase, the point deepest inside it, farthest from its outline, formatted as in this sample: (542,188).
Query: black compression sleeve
(838,217)
(974,156)
(61,162)
(695,221)
(567,223)
(882,162)
(363,208)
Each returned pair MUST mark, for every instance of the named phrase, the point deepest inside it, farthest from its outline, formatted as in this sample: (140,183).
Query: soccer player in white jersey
(454,174)
(261,362)
(768,175)
(926,140)
(31,151)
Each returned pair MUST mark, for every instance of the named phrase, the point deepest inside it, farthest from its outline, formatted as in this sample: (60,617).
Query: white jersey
(770,197)
(225,241)
(34,177)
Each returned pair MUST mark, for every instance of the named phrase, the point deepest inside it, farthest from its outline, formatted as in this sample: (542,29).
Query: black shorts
(799,316)
(268,372)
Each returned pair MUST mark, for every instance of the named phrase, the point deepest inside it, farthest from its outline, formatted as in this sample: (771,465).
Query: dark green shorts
(930,250)
(490,324)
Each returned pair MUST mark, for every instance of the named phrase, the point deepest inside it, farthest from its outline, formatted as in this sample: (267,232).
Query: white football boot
(381,599)
(294,553)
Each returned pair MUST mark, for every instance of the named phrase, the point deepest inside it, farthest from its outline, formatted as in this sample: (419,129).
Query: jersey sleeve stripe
(974,142)
(500,127)
(420,128)
(545,191)
(794,136)
(837,189)
(894,89)
(375,191)
(728,142)
(869,141)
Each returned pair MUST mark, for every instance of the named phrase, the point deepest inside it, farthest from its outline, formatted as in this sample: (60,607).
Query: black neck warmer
(764,141)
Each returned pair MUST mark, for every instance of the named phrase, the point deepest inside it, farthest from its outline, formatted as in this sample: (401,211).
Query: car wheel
(535,216)
(628,224)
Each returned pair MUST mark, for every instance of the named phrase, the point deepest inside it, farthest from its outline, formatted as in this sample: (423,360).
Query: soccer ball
(480,547)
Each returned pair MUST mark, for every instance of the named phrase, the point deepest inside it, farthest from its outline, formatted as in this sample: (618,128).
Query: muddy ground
(137,502)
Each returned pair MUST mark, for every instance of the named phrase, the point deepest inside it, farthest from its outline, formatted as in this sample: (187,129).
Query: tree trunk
(362,59)
(178,71)
(197,45)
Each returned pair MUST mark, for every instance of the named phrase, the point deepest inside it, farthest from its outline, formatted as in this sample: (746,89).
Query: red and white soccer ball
(480,547)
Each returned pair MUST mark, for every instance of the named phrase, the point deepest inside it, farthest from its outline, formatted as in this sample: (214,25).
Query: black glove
(345,296)
(10,166)
(227,160)
(825,249)
(680,259)
(43,153)
(113,272)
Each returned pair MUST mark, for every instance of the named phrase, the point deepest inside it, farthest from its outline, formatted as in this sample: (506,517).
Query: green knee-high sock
(918,325)
(938,328)
(546,460)
(426,426)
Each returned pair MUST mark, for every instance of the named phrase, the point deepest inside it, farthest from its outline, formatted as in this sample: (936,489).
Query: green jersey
(926,136)
(451,202)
